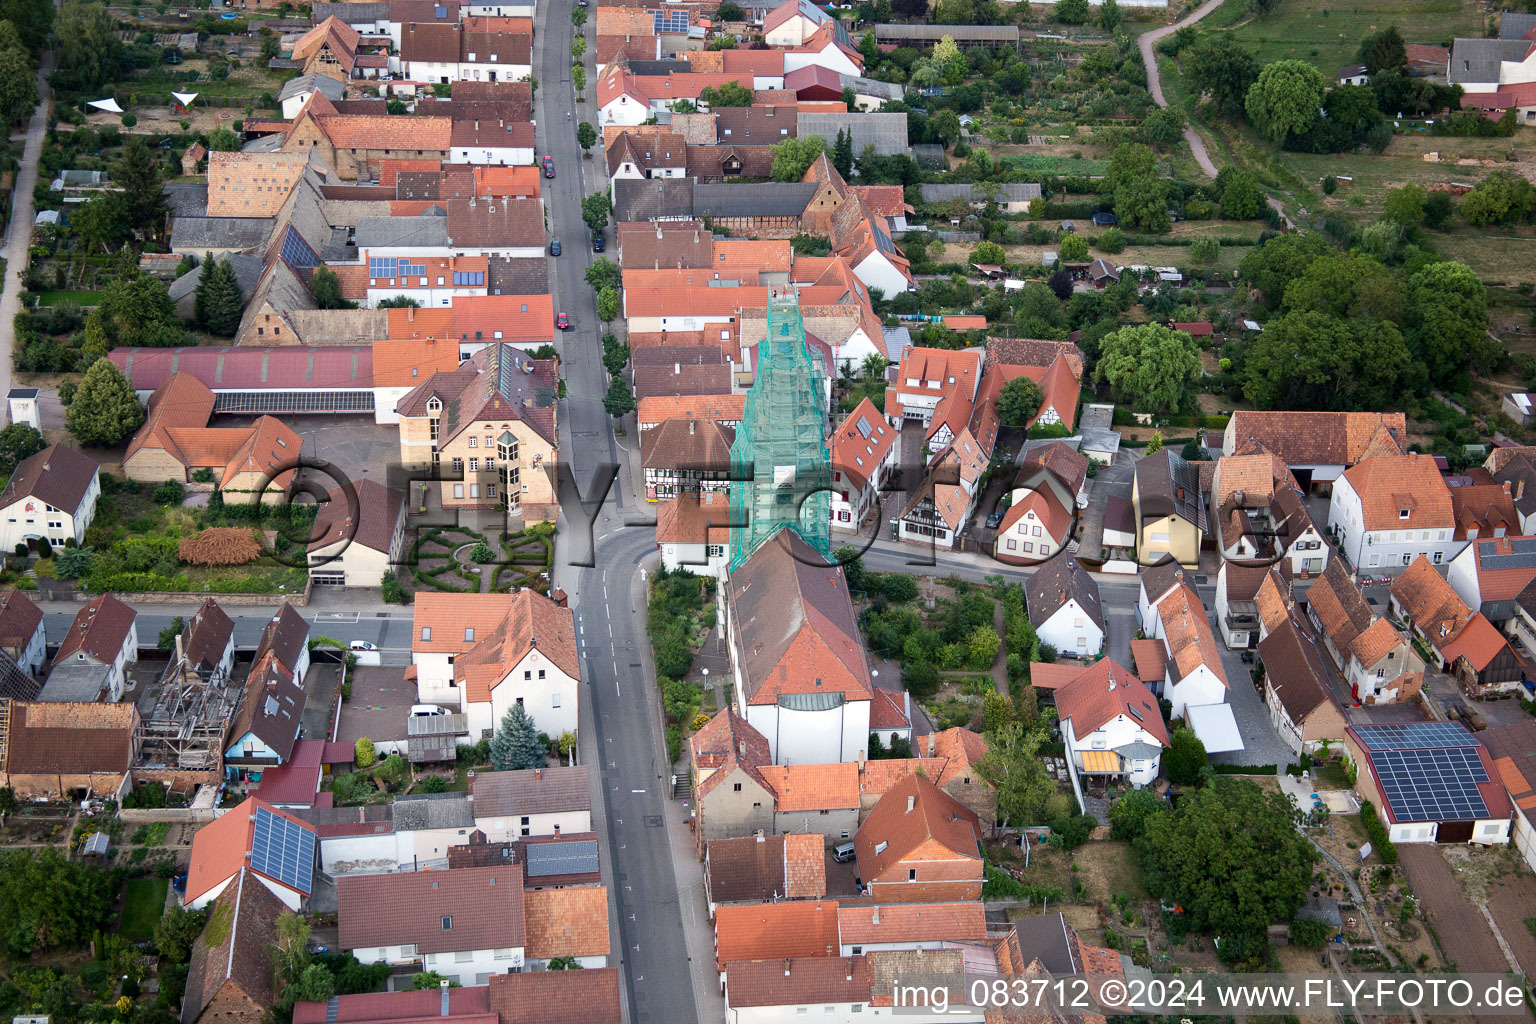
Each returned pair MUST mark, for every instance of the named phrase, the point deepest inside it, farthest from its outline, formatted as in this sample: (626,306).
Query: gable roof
(1388,486)
(861,443)
(813,787)
(1167,485)
(481,907)
(1293,669)
(1057,581)
(796,629)
(532,791)
(556,997)
(869,924)
(207,634)
(532,623)
(367,516)
(1513,748)
(232,951)
(727,742)
(773,931)
(222,848)
(1485,508)
(1104,691)
(570,921)
(70,737)
(99,631)
(762,868)
(58,475)
(19,619)
(1340,608)
(1426,598)
(1187,635)
(912,813)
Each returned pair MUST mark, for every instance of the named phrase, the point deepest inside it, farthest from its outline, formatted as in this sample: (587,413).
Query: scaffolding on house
(187,726)
(781,469)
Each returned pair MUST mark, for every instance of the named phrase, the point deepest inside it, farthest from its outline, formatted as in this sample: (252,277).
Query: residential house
(486,652)
(652,412)
(731,798)
(1169,508)
(801,676)
(1258,514)
(865,454)
(69,751)
(50,496)
(1296,689)
(941,506)
(1389,510)
(258,842)
(329,49)
(566,922)
(822,798)
(1378,662)
(1194,673)
(1513,749)
(961,751)
(1497,75)
(1465,643)
(775,931)
(924,377)
(1039,519)
(1517,467)
(863,928)
(1489,574)
(359,535)
(1064,607)
(1432,782)
(1317,446)
(694,532)
(267,724)
(920,845)
(533,802)
(793,22)
(1068,464)
(92,661)
(1484,510)
(1111,725)
(686,456)
(465,923)
(22,636)
(229,974)
(490,428)
(204,651)
(765,868)
(1236,607)
(528,997)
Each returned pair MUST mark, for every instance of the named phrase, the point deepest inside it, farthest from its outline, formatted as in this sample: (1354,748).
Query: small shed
(192,159)
(435,738)
(96,848)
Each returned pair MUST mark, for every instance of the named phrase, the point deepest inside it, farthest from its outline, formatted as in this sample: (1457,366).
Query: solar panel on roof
(1522,555)
(1438,784)
(283,850)
(578,857)
(863,426)
(1415,736)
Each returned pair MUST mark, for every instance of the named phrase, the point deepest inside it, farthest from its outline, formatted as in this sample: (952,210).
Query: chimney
(786,967)
(848,975)
(1506,487)
(691,423)
(538,775)
(557,831)
(443,988)
(741,749)
(876,918)
(911,803)
(1181,494)
(180,655)
(760,837)
(677,368)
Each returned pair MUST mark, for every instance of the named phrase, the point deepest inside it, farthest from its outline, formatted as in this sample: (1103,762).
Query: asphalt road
(606,599)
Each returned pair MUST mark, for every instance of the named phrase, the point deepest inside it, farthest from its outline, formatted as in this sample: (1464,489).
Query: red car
(549,166)
(562,321)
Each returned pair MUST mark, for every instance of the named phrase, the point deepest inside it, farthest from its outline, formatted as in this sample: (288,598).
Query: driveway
(18,233)
(1261,744)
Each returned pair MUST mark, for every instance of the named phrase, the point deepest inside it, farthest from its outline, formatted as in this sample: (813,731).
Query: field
(1328,35)
(143,905)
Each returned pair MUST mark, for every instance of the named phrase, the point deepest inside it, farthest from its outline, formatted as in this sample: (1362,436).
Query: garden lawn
(67,298)
(143,906)
(1328,35)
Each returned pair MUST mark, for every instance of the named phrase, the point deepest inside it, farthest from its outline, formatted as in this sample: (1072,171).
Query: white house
(359,534)
(533,802)
(51,496)
(938,510)
(1513,748)
(277,848)
(883,927)
(22,635)
(1111,725)
(1317,447)
(1064,607)
(93,658)
(1431,782)
(865,454)
(486,652)
(793,22)
(465,924)
(489,143)
(1039,518)
(693,532)
(1389,510)
(1196,676)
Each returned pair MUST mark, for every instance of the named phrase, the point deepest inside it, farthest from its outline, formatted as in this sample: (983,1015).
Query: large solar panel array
(670,21)
(1415,736)
(1522,554)
(1438,784)
(282,850)
(578,857)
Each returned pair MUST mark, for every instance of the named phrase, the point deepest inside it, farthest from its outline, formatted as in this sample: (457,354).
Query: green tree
(586,135)
(1141,194)
(842,153)
(1019,401)
(945,126)
(1273,265)
(105,410)
(176,931)
(1110,15)
(136,312)
(18,442)
(1164,126)
(731,94)
(516,743)
(1224,70)
(1231,857)
(1346,285)
(101,221)
(1382,50)
(1204,250)
(314,985)
(729,11)
(72,563)
(1185,758)
(1150,365)
(205,277)
(981,647)
(1285,98)
(1503,197)
(594,210)
(1447,320)
(1039,313)
(1013,768)
(32,19)
(1154,445)
(7,802)
(1072,248)
(604,273)
(90,52)
(138,175)
(1314,360)
(793,157)
(996,711)
(166,641)
(1129,815)
(564,963)
(18,85)
(619,400)
(364,754)
(608,305)
(222,304)
(325,286)
(615,355)
(1071,12)
(223,140)
(989,253)
(869,49)
(1241,198)
(48,903)
(1439,208)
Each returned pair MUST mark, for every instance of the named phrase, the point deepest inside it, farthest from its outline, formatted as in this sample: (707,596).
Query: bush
(44,549)
(169,493)
(1309,932)
(1381,842)
(363,753)
(898,587)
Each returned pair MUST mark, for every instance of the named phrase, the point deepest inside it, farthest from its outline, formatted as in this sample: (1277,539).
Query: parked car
(843,853)
(599,243)
(362,645)
(427,710)
(554,247)
(996,518)
(1472,718)
(548,163)
(562,321)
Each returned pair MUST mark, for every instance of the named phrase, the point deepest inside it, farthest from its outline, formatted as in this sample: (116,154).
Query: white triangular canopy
(109,105)
(185,98)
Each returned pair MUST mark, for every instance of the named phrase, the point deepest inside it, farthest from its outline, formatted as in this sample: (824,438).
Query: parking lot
(379,706)
(362,447)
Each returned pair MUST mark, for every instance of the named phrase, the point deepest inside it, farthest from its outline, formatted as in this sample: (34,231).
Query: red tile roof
(776,930)
(520,319)
(482,907)
(911,814)
(1103,692)
(220,849)
(867,924)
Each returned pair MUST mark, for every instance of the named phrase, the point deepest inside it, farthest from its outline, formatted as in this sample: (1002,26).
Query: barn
(1433,782)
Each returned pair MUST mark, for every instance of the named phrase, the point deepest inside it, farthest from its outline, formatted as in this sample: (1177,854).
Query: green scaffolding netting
(781,468)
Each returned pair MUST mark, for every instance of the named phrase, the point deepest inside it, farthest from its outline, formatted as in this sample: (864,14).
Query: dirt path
(1155,82)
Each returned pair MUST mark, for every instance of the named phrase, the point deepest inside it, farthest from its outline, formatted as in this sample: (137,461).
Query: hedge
(1246,769)
(1377,833)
